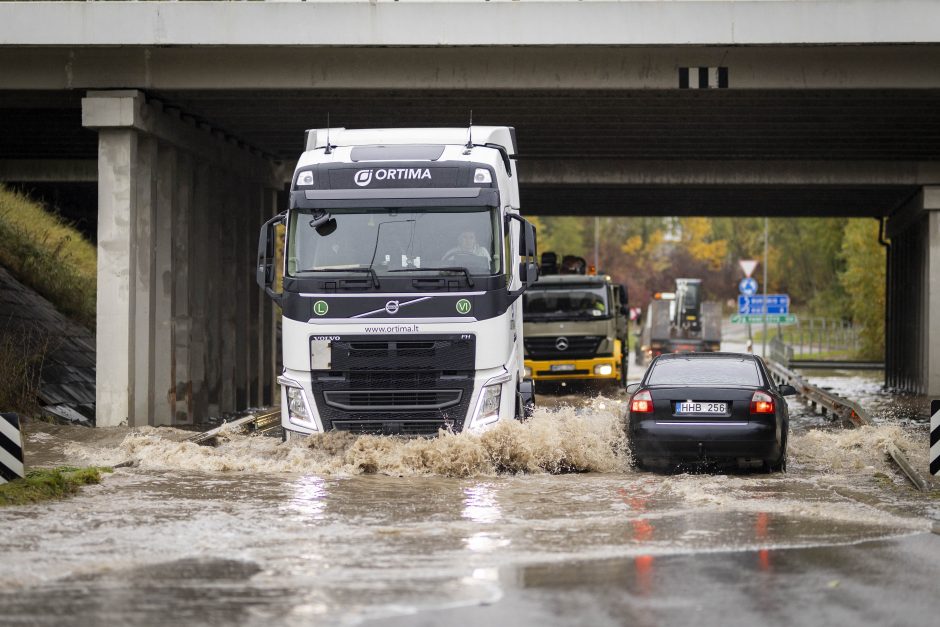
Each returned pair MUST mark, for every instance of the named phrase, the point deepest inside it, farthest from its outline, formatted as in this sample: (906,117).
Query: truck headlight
(305,179)
(487,411)
(482,175)
(603,370)
(295,404)
(489,408)
(296,407)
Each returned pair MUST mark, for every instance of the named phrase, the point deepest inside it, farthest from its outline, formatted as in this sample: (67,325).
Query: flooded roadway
(537,523)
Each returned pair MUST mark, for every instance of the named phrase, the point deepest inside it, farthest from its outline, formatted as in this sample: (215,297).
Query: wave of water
(563,440)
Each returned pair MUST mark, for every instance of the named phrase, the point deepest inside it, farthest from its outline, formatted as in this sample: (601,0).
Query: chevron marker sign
(11,448)
(935,438)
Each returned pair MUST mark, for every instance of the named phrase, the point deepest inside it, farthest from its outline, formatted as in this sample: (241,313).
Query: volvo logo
(561,343)
(391,307)
(363,177)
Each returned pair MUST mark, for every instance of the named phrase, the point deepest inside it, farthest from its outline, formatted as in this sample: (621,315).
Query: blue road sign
(776,304)
(748,286)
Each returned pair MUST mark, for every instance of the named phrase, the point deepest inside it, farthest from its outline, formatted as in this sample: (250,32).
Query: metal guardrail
(849,412)
(821,364)
(254,423)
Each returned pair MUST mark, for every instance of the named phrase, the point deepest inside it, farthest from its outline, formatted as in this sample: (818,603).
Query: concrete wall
(179,208)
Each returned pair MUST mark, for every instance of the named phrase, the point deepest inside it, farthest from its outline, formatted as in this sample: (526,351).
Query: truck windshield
(397,239)
(572,303)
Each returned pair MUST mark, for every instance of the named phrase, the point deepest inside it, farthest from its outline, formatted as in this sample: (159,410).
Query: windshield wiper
(447,269)
(375,277)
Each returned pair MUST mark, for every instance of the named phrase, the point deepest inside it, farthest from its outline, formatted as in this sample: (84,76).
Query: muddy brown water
(340,529)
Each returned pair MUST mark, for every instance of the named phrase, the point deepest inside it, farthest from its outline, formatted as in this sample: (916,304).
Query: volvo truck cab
(404,260)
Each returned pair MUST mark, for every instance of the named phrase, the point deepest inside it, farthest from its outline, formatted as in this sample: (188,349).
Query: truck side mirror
(623,295)
(264,269)
(529,268)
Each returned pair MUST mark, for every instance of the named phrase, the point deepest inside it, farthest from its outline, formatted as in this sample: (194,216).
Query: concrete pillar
(143,293)
(198,286)
(182,306)
(177,329)
(267,209)
(117,211)
(213,270)
(932,313)
(241,303)
(164,347)
(254,303)
(228,300)
(912,360)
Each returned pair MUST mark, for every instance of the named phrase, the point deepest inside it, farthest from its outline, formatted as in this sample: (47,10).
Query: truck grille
(433,352)
(382,427)
(579,347)
(390,384)
(394,400)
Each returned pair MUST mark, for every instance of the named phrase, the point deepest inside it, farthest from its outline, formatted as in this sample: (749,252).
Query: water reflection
(309,497)
(480,506)
(642,531)
(761,527)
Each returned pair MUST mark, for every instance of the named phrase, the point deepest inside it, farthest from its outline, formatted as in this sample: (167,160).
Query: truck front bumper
(596,369)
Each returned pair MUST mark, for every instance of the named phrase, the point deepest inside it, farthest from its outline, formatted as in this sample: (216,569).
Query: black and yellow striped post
(11,448)
(935,438)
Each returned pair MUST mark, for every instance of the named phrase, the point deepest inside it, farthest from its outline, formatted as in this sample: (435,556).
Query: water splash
(563,440)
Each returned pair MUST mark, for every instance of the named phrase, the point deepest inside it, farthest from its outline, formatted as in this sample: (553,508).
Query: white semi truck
(404,259)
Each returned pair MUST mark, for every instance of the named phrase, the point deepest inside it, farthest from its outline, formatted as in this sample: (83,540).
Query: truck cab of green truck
(575,326)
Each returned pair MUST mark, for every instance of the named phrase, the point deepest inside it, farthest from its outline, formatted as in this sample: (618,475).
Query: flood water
(538,522)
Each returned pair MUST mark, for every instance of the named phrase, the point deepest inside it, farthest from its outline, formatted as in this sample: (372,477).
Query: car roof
(728,356)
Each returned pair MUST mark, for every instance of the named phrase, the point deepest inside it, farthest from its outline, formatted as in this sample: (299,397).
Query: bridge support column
(178,334)
(912,347)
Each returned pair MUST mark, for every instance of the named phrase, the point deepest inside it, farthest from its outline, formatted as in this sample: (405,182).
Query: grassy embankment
(48,483)
(43,252)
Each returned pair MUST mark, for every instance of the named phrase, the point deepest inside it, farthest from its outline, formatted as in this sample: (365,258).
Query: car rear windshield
(709,371)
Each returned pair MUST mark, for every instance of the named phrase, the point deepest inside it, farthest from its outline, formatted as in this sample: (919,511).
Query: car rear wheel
(779,464)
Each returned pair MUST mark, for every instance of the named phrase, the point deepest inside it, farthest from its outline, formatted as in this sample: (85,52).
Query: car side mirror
(787,390)
(633,387)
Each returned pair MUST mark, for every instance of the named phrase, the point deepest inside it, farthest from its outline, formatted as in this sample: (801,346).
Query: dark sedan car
(709,407)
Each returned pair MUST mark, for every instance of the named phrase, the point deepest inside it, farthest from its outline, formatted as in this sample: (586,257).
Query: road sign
(748,286)
(748,266)
(775,304)
(759,318)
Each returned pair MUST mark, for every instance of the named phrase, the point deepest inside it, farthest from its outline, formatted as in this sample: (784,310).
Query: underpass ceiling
(579,125)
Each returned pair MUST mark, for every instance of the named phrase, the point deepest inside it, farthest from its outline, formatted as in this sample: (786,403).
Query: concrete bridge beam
(179,209)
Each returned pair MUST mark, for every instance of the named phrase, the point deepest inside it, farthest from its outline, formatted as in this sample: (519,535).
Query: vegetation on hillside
(21,360)
(831,267)
(46,254)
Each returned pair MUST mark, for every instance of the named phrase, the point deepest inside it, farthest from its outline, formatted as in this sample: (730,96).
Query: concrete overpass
(188,115)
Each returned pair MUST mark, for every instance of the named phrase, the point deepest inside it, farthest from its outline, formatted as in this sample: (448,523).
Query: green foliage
(863,280)
(45,484)
(44,253)
(809,258)
(21,360)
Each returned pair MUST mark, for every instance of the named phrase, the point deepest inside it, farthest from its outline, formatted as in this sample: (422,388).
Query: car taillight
(642,402)
(762,403)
